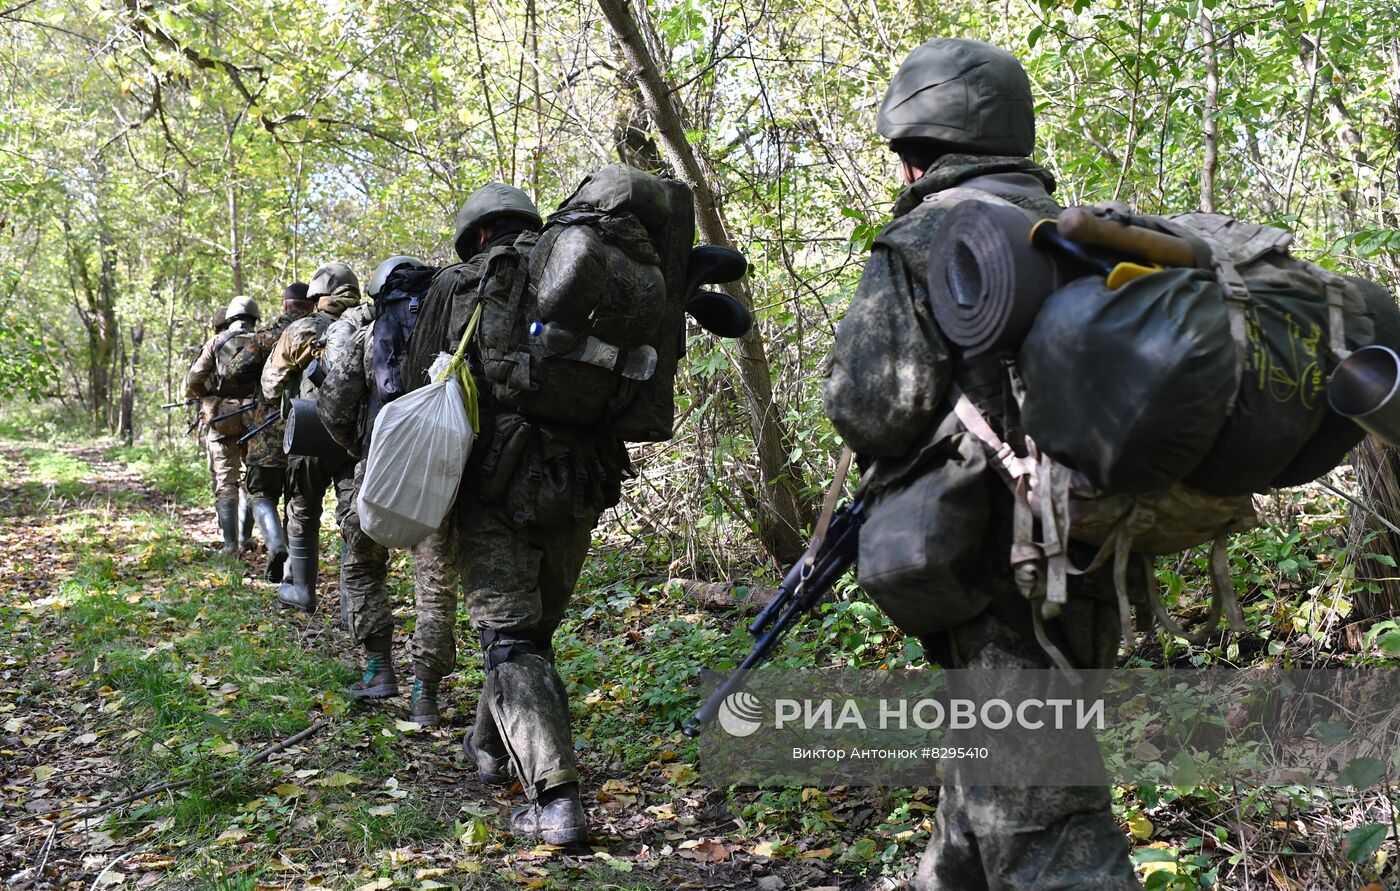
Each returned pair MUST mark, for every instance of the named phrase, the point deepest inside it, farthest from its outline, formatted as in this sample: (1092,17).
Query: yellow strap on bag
(458,366)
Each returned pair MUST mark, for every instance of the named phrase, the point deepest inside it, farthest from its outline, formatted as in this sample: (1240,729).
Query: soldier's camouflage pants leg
(225,464)
(435,584)
(518,581)
(307,482)
(364,571)
(265,481)
(1040,838)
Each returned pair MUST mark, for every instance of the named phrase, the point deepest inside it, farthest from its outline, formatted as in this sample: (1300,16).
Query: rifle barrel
(266,422)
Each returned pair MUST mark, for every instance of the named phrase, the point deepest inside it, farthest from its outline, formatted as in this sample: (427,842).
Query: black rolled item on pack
(986,280)
(307,436)
(719,313)
(1096,364)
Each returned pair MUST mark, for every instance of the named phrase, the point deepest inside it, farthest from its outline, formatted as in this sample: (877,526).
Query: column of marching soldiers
(957,112)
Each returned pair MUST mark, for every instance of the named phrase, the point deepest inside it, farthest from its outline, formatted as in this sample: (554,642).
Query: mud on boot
(379,681)
(555,818)
(492,768)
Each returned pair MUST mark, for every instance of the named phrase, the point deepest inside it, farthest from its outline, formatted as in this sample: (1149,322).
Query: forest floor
(133,659)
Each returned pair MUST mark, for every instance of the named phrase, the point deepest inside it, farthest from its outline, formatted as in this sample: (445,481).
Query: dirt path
(100,570)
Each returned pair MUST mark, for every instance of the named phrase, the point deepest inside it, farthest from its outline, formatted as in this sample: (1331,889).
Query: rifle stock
(803,589)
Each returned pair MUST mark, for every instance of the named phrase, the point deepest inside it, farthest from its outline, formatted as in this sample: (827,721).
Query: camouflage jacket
(890,366)
(302,342)
(343,402)
(265,449)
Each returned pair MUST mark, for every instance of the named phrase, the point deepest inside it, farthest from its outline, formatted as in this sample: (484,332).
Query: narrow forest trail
(137,660)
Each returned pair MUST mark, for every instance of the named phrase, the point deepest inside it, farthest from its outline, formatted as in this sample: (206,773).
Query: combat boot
(484,749)
(378,681)
(555,818)
(245,521)
(270,525)
(228,526)
(423,709)
(299,591)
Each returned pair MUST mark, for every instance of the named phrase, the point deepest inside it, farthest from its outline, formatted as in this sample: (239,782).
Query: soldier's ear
(909,174)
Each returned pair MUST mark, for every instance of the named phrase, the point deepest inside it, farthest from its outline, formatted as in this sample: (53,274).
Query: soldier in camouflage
(336,290)
(526,509)
(959,113)
(221,437)
(363,363)
(265,477)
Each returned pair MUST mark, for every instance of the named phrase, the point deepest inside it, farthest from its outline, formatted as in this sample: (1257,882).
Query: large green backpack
(583,324)
(231,378)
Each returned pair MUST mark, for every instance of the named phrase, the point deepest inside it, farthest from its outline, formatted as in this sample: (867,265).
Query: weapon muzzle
(1364,387)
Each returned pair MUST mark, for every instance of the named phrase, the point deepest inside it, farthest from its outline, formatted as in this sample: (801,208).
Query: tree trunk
(1378,481)
(783,514)
(1211,160)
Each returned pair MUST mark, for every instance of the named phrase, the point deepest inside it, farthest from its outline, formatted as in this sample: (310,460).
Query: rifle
(233,414)
(262,425)
(190,401)
(803,589)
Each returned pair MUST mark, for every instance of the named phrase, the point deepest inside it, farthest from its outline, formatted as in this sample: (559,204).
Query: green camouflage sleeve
(889,367)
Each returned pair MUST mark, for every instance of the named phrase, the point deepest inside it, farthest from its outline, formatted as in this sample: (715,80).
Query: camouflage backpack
(583,324)
(232,378)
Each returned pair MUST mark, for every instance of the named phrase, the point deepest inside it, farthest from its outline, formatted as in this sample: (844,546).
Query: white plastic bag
(416,456)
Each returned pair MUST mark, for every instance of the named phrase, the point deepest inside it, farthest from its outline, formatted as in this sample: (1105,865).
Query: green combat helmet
(328,278)
(242,307)
(487,204)
(969,95)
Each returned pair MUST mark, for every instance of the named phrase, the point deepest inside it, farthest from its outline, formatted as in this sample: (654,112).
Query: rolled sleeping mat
(986,281)
(306,436)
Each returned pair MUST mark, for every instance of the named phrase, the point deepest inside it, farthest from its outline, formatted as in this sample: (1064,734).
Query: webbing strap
(1012,465)
(1236,302)
(838,482)
(1336,317)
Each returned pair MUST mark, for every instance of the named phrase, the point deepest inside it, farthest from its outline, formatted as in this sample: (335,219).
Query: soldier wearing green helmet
(960,118)
(336,290)
(221,436)
(522,527)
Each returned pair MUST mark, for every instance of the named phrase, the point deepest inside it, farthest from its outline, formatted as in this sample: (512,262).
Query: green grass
(173,469)
(55,472)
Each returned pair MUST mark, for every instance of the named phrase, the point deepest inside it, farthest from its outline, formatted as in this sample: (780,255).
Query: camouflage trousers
(263,481)
(308,479)
(225,465)
(435,581)
(518,582)
(1004,838)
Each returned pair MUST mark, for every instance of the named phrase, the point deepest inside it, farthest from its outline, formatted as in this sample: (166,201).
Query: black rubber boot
(228,526)
(423,708)
(379,681)
(555,818)
(270,525)
(245,521)
(299,591)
